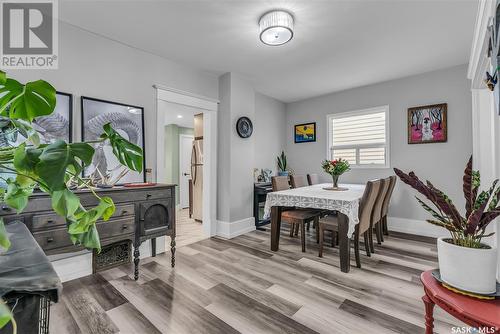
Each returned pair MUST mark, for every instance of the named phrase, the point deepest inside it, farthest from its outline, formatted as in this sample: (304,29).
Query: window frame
(359,112)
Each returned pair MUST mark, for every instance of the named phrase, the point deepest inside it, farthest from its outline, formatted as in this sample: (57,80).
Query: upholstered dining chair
(294,217)
(366,205)
(298,181)
(377,214)
(385,206)
(312,179)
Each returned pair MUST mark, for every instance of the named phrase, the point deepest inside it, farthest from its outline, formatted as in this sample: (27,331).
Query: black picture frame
(309,140)
(70,114)
(142,135)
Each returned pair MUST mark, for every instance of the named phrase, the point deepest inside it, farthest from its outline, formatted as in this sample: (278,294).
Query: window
(361,137)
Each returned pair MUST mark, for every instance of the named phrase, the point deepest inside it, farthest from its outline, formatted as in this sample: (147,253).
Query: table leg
(136,261)
(172,248)
(275,227)
(344,243)
(429,318)
(153,247)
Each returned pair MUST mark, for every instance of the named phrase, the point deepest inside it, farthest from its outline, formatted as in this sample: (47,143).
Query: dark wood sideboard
(142,213)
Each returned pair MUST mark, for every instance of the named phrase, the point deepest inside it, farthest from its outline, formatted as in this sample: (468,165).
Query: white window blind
(360,137)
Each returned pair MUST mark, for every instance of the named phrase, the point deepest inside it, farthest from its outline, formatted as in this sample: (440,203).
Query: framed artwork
(428,124)
(57,125)
(128,121)
(305,133)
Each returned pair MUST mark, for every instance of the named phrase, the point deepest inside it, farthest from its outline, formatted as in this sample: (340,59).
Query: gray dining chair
(366,206)
(385,206)
(292,216)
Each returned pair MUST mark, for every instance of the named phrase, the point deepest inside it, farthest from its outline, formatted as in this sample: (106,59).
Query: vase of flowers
(464,261)
(336,168)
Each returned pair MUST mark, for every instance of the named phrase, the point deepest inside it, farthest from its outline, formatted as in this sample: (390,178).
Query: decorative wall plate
(244,127)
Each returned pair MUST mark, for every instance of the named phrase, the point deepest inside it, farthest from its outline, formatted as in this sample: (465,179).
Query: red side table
(478,313)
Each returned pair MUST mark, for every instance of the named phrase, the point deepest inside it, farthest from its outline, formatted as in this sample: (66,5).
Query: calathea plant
(480,210)
(26,165)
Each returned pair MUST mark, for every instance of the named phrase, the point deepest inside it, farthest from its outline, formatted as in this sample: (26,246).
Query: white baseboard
(230,230)
(72,267)
(75,265)
(413,226)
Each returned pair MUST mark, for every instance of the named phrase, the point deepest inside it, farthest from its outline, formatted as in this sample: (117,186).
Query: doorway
(168,102)
(185,177)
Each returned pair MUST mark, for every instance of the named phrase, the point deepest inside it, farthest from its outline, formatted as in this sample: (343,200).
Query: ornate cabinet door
(156,216)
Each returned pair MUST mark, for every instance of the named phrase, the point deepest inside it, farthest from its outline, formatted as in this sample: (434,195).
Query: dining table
(344,202)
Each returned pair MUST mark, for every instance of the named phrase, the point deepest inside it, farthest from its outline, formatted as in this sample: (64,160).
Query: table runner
(315,197)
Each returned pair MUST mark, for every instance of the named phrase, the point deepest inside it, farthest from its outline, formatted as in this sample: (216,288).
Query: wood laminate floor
(240,286)
(188,230)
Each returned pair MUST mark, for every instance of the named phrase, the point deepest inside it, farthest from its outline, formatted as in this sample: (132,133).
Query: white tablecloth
(346,202)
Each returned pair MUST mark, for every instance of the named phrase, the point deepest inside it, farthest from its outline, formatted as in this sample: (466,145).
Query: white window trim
(359,112)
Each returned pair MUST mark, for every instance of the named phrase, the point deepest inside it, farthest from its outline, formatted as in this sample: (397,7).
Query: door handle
(186,174)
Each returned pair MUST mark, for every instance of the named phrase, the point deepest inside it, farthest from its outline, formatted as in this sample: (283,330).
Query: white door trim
(181,136)
(209,108)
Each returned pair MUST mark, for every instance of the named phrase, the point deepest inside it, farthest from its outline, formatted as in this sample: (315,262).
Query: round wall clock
(244,127)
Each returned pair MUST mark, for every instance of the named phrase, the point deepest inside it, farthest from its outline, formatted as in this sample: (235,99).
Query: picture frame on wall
(57,125)
(305,132)
(128,121)
(428,124)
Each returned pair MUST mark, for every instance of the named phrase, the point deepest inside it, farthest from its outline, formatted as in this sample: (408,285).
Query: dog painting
(427,124)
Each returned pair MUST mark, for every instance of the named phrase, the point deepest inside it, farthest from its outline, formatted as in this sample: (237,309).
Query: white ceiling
(337,44)
(171,111)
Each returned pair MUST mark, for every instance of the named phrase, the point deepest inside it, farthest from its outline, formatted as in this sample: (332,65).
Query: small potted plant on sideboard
(465,262)
(282,164)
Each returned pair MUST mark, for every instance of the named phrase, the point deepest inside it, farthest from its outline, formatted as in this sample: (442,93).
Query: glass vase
(335,179)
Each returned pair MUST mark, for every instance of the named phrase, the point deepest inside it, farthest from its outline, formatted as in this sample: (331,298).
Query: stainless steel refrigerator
(197,168)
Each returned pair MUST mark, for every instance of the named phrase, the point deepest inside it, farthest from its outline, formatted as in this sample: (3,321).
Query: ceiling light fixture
(276,27)
(179,116)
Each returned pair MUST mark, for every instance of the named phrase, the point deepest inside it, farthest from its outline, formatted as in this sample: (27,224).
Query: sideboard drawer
(59,238)
(124,210)
(52,239)
(47,220)
(155,194)
(115,228)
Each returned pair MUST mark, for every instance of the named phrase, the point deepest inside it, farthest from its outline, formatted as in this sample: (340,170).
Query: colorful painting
(305,133)
(427,124)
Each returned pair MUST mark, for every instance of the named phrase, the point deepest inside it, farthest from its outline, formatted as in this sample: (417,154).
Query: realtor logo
(29,34)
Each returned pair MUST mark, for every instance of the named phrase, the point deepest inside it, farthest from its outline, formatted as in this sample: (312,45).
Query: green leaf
(3,77)
(65,203)
(5,314)
(87,218)
(127,153)
(56,158)
(25,160)
(106,207)
(37,98)
(4,238)
(16,195)
(89,239)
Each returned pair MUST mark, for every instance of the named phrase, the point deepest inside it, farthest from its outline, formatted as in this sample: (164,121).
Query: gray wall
(442,163)
(236,155)
(98,67)
(269,131)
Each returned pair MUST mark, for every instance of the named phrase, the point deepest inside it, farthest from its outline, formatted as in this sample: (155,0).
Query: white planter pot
(468,269)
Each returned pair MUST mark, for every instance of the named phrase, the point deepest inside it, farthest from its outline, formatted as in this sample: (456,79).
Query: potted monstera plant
(465,262)
(26,165)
